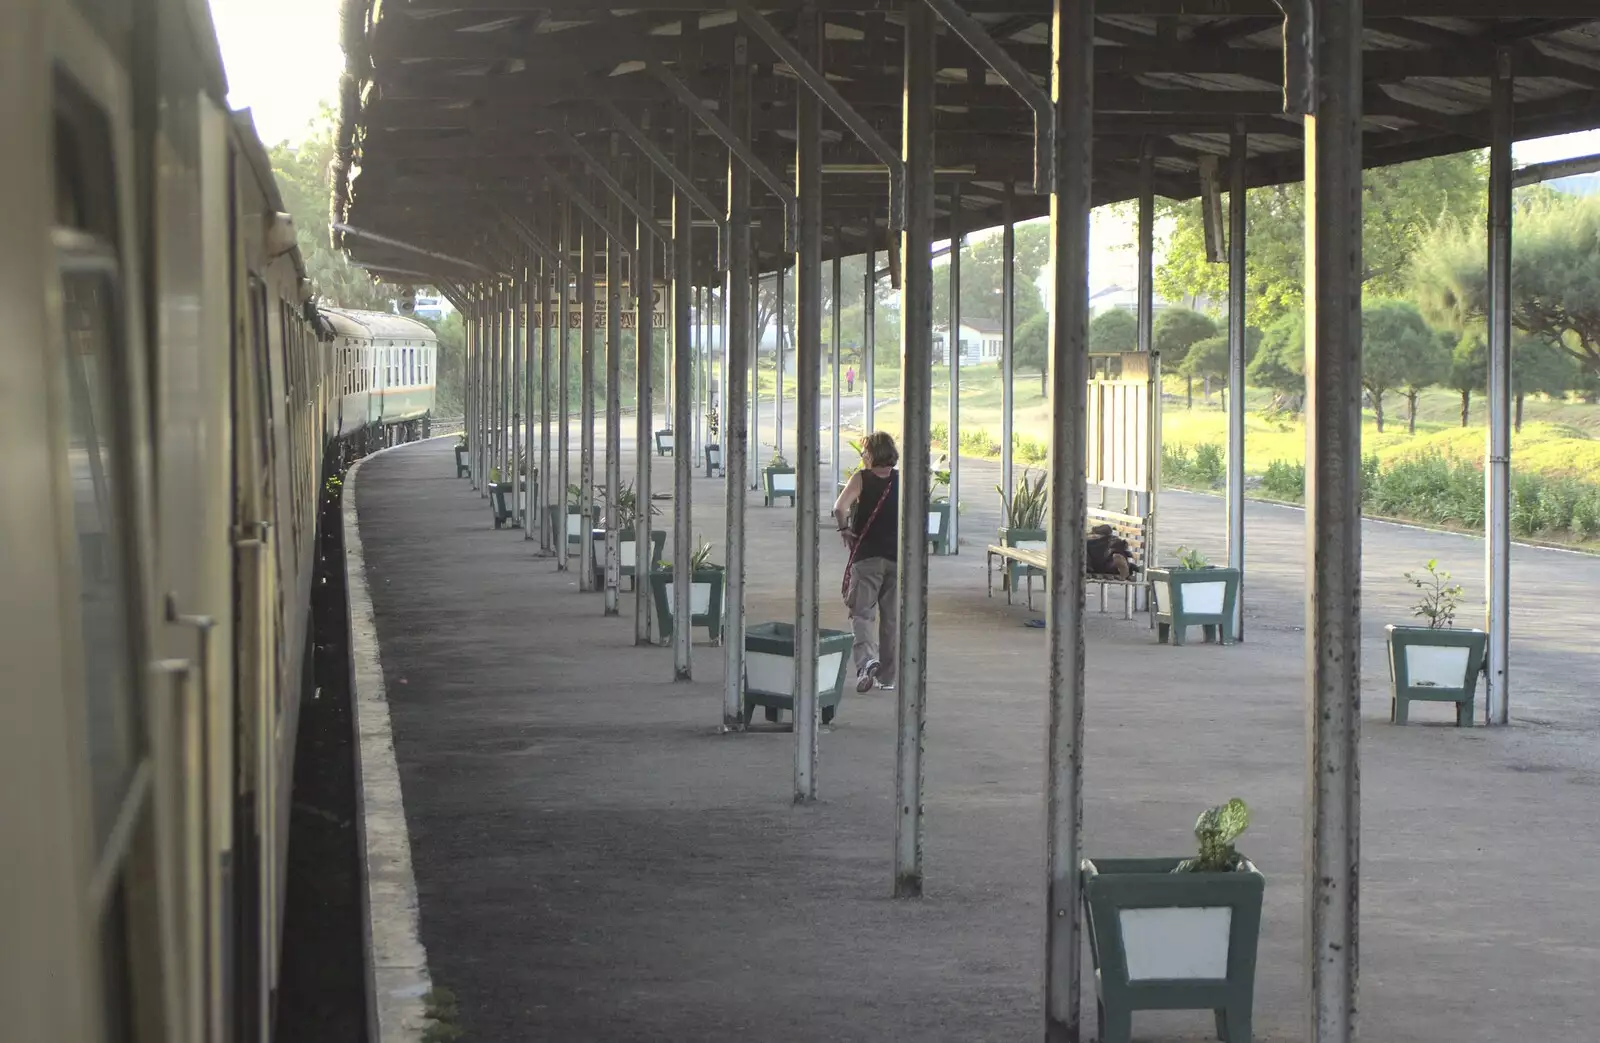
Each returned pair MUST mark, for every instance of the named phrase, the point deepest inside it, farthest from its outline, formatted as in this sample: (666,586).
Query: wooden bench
(1131,527)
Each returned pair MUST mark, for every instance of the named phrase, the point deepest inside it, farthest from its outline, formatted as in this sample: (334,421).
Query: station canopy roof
(451,106)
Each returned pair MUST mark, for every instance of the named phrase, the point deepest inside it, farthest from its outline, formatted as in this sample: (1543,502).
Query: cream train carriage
(162,439)
(383,375)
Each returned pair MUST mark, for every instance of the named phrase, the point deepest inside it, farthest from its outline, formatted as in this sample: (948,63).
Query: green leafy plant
(856,451)
(713,422)
(1440,598)
(1192,559)
(333,486)
(494,476)
(700,561)
(778,462)
(1216,829)
(461,438)
(574,495)
(440,1008)
(628,508)
(1025,507)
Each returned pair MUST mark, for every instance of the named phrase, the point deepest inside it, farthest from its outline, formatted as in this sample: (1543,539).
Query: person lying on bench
(1109,554)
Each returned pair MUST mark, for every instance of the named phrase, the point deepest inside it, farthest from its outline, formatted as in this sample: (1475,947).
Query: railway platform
(594,862)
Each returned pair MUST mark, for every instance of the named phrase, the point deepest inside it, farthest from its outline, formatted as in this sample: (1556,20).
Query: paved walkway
(595,863)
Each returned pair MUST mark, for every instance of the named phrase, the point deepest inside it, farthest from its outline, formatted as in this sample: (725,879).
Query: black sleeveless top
(882,540)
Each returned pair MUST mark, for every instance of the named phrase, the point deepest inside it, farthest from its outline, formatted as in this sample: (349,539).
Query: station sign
(548,312)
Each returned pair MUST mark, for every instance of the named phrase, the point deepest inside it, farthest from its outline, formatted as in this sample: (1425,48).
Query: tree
(1176,330)
(1397,349)
(1539,367)
(1555,274)
(1469,369)
(1208,359)
(1401,204)
(1429,367)
(1032,348)
(303,174)
(1114,330)
(1280,362)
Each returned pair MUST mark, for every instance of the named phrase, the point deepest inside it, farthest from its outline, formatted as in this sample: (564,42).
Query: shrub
(1029,450)
(1284,480)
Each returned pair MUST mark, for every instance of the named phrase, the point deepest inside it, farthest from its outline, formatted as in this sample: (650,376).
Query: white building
(981,341)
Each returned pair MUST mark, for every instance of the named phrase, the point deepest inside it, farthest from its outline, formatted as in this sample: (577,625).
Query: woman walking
(867,513)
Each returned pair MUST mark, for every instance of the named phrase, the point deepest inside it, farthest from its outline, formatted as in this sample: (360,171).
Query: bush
(1029,450)
(978,442)
(1201,468)
(1284,480)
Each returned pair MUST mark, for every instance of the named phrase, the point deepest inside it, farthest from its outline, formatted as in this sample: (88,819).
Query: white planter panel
(625,553)
(774,674)
(575,526)
(1032,545)
(1163,596)
(935,521)
(783,482)
(666,443)
(699,598)
(1204,598)
(598,549)
(1440,667)
(769,674)
(1176,942)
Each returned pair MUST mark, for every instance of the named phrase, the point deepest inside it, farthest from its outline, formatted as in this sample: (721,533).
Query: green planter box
(939,526)
(462,468)
(1172,941)
(1437,666)
(778,481)
(705,600)
(499,502)
(769,669)
(1023,539)
(1195,598)
(713,460)
(664,442)
(628,553)
(575,525)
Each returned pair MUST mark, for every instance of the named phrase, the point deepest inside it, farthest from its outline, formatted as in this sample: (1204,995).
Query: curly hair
(879,448)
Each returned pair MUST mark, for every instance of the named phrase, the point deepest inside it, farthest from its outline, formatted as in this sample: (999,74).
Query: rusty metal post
(869,340)
(564,419)
(808,394)
(916,408)
(1333,524)
(1072,90)
(644,292)
(952,541)
(1008,334)
(683,544)
(588,238)
(736,392)
(613,548)
(1497,469)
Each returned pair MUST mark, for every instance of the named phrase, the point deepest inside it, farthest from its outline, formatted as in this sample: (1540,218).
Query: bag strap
(855,545)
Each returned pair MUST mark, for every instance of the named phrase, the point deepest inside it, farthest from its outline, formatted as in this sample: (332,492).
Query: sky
(283,60)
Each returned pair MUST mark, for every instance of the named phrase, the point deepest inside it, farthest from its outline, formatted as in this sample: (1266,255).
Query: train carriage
(171,401)
(384,373)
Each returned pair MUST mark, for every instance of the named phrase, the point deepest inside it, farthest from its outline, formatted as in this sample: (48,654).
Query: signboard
(548,313)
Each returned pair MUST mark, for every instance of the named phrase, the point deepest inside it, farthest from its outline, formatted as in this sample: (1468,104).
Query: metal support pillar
(613,549)
(546,348)
(480,423)
(564,419)
(777,377)
(1497,469)
(515,290)
(869,341)
(698,375)
(1333,524)
(838,291)
(736,393)
(530,397)
(1144,501)
(1236,353)
(755,376)
(1072,91)
(1008,334)
(916,409)
(808,407)
(953,357)
(588,238)
(683,547)
(469,418)
(644,291)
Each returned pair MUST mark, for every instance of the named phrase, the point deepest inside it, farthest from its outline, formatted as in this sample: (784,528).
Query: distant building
(981,340)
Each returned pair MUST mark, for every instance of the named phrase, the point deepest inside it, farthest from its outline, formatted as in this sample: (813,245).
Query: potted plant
(847,473)
(1022,525)
(705,594)
(1194,593)
(462,468)
(1435,662)
(627,508)
(1177,933)
(778,479)
(769,669)
(713,447)
(939,506)
(569,518)
(499,486)
(664,441)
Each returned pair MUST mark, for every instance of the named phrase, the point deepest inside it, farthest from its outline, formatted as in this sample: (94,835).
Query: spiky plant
(1216,829)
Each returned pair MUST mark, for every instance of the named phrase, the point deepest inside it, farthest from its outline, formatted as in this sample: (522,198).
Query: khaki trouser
(874,603)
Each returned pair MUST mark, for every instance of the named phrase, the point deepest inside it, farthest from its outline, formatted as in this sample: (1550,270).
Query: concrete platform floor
(595,863)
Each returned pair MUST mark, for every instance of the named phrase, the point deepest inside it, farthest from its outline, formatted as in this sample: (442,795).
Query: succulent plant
(1216,829)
